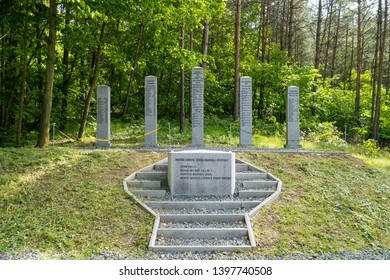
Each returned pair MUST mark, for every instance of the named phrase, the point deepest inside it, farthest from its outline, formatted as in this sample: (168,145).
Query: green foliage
(368,148)
(24,31)
(325,133)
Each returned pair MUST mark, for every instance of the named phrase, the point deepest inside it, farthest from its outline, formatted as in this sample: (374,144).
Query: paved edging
(250,207)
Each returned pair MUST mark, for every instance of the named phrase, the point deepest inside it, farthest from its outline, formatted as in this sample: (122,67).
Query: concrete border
(247,216)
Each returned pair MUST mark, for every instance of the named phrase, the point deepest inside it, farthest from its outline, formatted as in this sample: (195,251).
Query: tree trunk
(260,30)
(388,76)
(375,67)
(44,127)
(2,76)
(380,74)
(328,36)
(190,81)
(139,40)
(23,88)
(182,80)
(282,27)
(66,76)
(335,46)
(345,74)
(92,84)
(264,33)
(205,42)
(352,60)
(318,36)
(39,33)
(359,63)
(237,60)
(290,29)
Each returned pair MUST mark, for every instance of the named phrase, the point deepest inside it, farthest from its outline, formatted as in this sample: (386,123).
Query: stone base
(151,145)
(293,146)
(103,144)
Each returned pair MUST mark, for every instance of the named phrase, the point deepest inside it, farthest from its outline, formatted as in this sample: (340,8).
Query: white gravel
(382,254)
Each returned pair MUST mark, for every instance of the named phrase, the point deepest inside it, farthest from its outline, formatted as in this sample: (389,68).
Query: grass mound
(68,203)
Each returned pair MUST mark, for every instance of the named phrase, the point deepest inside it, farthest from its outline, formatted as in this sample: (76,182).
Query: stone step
(212,205)
(202,218)
(149,193)
(202,233)
(241,167)
(259,184)
(203,225)
(161,167)
(254,193)
(151,175)
(222,248)
(251,175)
(202,221)
(145,184)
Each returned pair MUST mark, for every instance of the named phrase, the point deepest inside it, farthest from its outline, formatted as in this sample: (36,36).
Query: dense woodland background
(53,54)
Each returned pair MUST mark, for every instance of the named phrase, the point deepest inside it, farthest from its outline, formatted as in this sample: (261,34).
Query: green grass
(217,132)
(61,201)
(71,201)
(329,203)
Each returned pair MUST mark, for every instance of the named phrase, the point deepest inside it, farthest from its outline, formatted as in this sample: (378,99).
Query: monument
(150,111)
(103,117)
(245,111)
(292,118)
(197,107)
(201,172)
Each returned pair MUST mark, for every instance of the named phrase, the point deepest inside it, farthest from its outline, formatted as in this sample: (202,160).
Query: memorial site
(194,130)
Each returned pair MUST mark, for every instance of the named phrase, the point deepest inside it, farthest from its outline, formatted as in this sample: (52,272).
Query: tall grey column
(103,117)
(245,111)
(292,118)
(150,111)
(197,107)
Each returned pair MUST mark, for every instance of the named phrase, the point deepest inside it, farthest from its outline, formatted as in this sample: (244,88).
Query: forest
(53,54)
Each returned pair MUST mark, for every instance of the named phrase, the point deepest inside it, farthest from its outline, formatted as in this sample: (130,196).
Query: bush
(369,148)
(325,133)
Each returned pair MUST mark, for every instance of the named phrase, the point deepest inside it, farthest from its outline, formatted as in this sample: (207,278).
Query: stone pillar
(150,111)
(245,111)
(103,117)
(197,107)
(292,118)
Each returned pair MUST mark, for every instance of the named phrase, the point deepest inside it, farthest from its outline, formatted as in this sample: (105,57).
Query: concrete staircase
(209,223)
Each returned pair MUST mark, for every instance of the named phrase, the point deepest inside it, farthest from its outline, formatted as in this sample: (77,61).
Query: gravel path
(232,148)
(201,225)
(202,241)
(383,254)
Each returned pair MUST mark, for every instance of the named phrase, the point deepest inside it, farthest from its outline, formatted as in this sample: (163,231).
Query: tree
(92,82)
(24,59)
(359,48)
(382,47)
(44,127)
(182,87)
(237,40)
(205,41)
(141,30)
(318,36)
(290,29)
